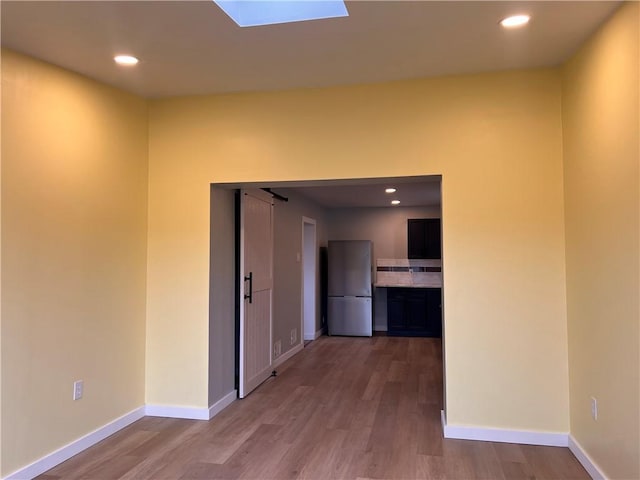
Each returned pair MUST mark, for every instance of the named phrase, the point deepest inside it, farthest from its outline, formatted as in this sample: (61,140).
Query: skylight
(251,13)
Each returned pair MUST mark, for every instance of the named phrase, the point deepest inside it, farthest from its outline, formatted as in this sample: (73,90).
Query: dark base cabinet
(414,312)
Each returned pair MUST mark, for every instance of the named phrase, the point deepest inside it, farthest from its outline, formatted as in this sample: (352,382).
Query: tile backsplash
(403,272)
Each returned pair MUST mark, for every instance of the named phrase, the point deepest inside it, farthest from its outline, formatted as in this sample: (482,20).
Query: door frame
(240,184)
(309,269)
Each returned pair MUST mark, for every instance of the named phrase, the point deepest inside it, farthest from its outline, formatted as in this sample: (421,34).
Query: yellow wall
(74,206)
(601,145)
(0,271)
(75,236)
(495,138)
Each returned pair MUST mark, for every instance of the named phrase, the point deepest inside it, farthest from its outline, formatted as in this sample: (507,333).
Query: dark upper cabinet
(423,238)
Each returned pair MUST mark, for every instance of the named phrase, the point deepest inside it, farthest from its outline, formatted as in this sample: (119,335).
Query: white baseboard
(313,336)
(170,411)
(191,413)
(379,328)
(286,356)
(223,403)
(587,462)
(527,437)
(55,458)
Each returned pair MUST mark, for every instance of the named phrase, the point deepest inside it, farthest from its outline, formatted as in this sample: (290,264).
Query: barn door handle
(250,296)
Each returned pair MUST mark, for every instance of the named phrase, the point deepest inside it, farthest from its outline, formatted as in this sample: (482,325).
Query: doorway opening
(319,211)
(309,279)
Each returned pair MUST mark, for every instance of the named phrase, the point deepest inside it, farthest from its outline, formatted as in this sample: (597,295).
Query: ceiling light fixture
(390,190)
(395,202)
(127,60)
(515,21)
(252,13)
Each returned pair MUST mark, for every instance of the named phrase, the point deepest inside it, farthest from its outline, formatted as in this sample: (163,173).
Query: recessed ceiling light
(515,21)
(125,60)
(390,190)
(395,202)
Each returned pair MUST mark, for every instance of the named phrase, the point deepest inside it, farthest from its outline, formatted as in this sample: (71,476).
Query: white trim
(379,328)
(192,413)
(308,221)
(57,457)
(169,411)
(223,403)
(241,293)
(585,460)
(286,356)
(528,437)
(315,336)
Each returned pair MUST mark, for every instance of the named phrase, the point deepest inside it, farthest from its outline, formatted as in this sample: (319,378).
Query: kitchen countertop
(409,285)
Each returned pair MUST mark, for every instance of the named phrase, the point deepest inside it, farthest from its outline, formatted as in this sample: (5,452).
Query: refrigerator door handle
(250,279)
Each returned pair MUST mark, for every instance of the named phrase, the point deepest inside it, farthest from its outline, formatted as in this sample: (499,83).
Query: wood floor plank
(517,471)
(104,452)
(509,452)
(430,467)
(325,460)
(459,468)
(344,408)
(205,471)
(114,468)
(261,450)
(486,464)
(171,459)
(549,462)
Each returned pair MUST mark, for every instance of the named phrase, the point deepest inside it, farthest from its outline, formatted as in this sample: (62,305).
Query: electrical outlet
(594,408)
(294,336)
(277,349)
(78,389)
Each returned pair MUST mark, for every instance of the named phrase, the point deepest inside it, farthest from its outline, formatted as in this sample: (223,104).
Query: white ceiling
(419,191)
(411,191)
(192,47)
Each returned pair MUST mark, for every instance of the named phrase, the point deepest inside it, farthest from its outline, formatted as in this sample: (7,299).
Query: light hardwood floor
(352,408)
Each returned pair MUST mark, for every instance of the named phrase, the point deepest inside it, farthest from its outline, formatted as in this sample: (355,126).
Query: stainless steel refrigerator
(350,307)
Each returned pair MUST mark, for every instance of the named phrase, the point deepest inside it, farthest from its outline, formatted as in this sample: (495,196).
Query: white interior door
(256,264)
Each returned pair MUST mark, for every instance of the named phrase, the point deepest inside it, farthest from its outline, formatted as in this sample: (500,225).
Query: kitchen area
(384,260)
(413,286)
(407,291)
